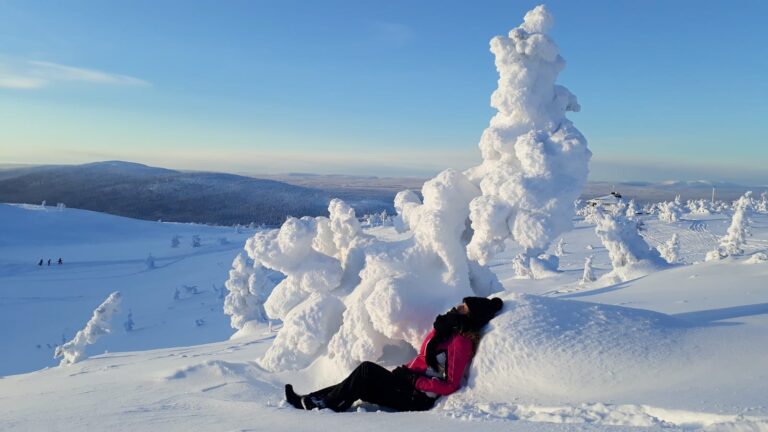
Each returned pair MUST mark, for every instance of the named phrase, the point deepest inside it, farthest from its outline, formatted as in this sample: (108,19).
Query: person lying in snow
(436,371)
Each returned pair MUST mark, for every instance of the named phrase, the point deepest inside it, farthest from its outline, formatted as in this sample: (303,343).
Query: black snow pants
(372,383)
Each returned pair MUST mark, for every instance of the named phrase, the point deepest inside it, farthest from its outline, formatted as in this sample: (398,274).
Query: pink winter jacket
(459,351)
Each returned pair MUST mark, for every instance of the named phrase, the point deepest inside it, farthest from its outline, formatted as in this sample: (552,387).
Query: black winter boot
(292,398)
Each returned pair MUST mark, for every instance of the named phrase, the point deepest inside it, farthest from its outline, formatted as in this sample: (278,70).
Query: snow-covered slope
(43,306)
(681,348)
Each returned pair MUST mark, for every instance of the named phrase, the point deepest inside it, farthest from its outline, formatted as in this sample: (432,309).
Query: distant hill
(643,192)
(144,192)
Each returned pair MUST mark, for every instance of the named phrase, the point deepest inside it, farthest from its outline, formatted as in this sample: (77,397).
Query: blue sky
(669,90)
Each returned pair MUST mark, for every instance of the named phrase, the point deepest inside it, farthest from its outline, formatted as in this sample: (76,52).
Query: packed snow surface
(679,348)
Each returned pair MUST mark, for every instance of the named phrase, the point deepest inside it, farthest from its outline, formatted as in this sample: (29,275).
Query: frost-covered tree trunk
(535,162)
(99,325)
(732,243)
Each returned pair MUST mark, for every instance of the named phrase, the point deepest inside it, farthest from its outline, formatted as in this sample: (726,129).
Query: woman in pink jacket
(436,371)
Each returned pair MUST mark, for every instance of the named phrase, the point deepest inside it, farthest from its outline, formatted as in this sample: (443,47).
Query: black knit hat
(482,310)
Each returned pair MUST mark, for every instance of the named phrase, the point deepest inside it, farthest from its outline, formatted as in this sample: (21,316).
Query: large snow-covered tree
(535,162)
(347,295)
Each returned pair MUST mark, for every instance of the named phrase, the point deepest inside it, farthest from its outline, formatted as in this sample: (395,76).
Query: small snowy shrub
(589,274)
(175,241)
(631,257)
(128,324)
(150,262)
(559,248)
(99,325)
(669,211)
(732,243)
(631,211)
(762,205)
(195,241)
(670,250)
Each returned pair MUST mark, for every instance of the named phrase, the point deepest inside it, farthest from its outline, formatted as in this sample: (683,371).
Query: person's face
(462,309)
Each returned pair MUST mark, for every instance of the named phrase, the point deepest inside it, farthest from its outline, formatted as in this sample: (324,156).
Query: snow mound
(757,258)
(558,349)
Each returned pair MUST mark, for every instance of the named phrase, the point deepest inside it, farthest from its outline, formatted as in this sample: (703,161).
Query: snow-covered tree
(631,209)
(195,241)
(670,250)
(762,204)
(650,208)
(99,325)
(150,262)
(559,248)
(175,241)
(535,162)
(60,206)
(249,286)
(589,273)
(348,295)
(128,324)
(732,243)
(631,257)
(669,211)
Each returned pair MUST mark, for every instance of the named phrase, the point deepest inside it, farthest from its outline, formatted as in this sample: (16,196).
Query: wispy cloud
(23,74)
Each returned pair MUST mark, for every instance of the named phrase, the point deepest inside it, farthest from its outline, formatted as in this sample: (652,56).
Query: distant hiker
(60,261)
(437,370)
(41,262)
(49,261)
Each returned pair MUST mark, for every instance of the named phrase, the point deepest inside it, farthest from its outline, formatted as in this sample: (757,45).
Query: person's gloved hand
(405,374)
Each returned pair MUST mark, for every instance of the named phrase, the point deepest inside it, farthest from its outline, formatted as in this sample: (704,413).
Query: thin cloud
(33,74)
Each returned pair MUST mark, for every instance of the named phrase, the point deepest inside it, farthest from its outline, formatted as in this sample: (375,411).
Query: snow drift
(571,350)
